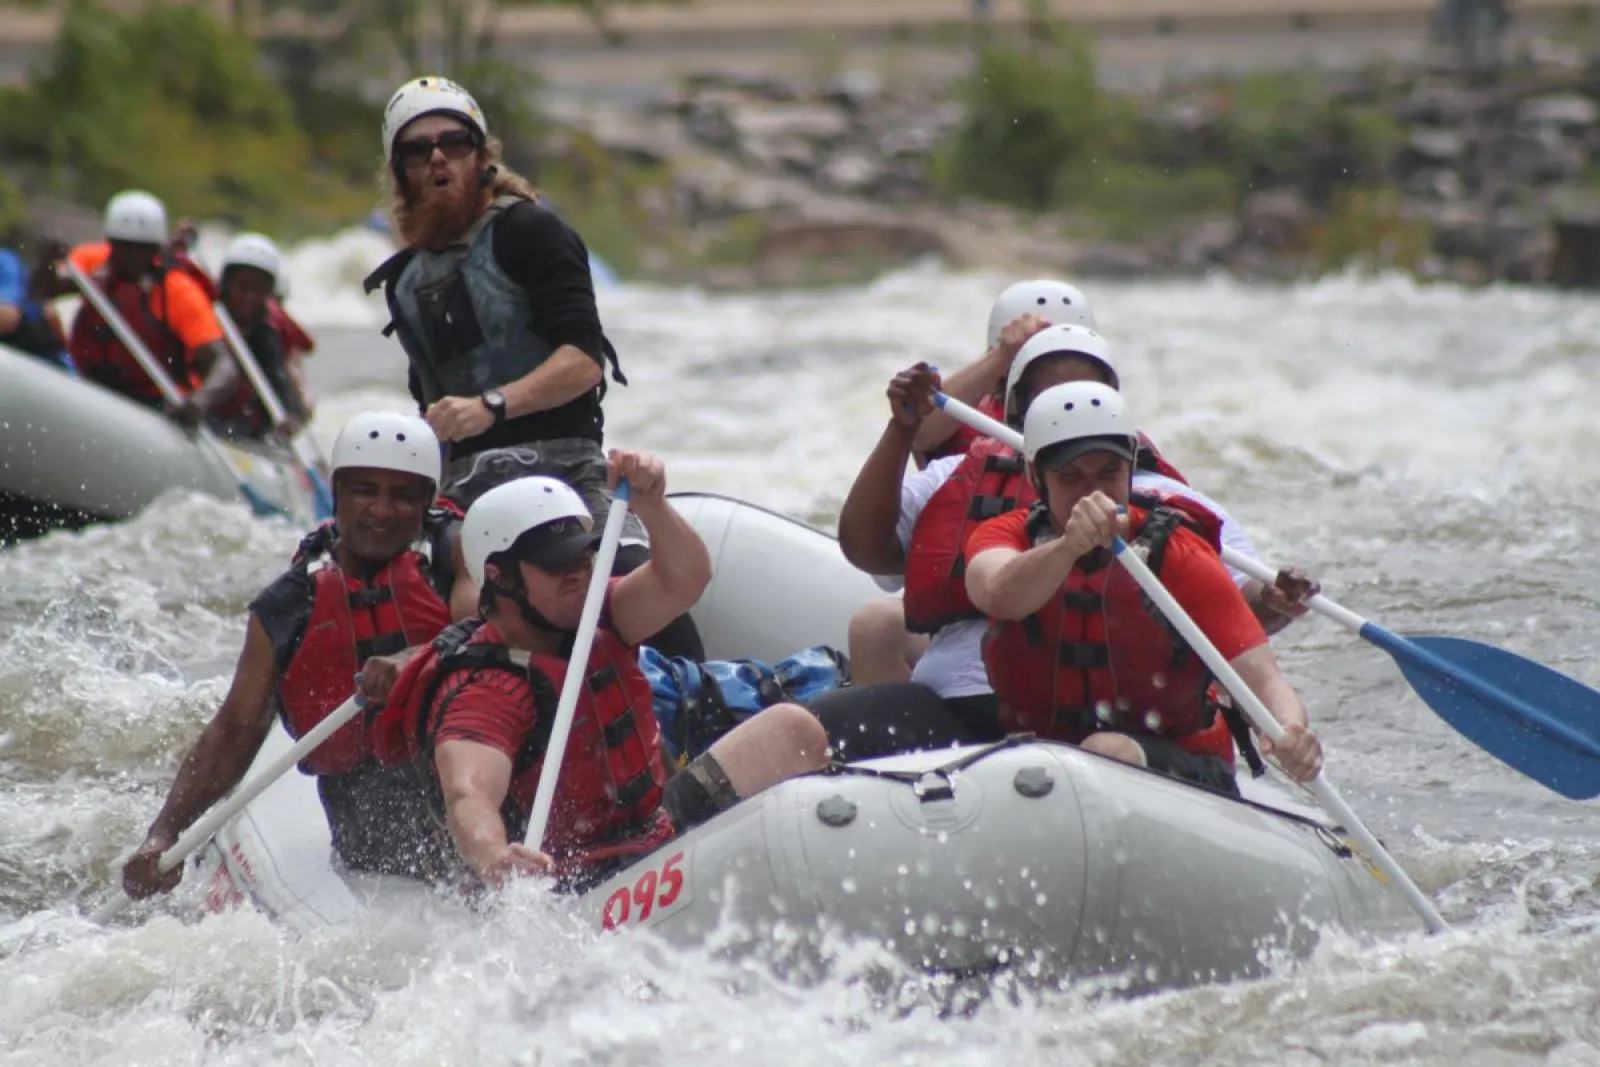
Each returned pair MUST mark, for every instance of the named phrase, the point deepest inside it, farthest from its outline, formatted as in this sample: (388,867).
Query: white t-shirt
(953,664)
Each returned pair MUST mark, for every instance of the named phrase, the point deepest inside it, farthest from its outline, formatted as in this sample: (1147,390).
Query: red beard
(438,215)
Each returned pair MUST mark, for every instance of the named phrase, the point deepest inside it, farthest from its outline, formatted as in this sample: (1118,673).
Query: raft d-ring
(836,810)
(934,785)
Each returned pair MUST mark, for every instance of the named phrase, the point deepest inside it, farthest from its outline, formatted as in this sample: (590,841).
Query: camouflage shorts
(577,461)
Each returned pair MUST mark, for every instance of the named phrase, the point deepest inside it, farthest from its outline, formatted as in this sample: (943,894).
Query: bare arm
(670,582)
(474,779)
(221,374)
(566,375)
(229,742)
(464,591)
(1259,669)
(872,509)
(970,385)
(1006,584)
(216,763)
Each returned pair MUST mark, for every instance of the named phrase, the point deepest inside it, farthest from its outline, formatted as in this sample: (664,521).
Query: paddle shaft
(577,669)
(207,825)
(300,444)
(157,373)
(1264,721)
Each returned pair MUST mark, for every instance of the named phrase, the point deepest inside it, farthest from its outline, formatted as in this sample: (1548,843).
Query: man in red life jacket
(914,526)
(483,707)
(162,303)
(360,596)
(1074,651)
(250,272)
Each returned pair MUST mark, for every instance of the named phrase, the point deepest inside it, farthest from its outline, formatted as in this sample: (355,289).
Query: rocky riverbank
(1466,176)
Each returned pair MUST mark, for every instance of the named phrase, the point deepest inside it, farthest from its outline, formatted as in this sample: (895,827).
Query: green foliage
(1033,113)
(1365,227)
(167,99)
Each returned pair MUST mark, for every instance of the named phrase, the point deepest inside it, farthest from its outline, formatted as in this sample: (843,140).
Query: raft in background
(1027,856)
(74,453)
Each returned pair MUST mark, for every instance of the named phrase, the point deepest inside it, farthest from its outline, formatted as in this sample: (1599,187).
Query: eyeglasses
(454,144)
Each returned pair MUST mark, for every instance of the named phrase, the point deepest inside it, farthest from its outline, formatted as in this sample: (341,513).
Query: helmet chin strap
(514,592)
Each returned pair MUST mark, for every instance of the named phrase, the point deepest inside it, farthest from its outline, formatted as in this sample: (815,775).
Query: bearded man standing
(492,299)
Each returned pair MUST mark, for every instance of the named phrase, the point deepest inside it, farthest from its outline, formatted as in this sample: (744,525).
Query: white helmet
(1083,417)
(498,518)
(136,217)
(253,250)
(388,441)
(1055,341)
(429,96)
(1056,301)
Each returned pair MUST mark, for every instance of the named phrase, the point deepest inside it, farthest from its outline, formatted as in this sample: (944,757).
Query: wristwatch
(495,401)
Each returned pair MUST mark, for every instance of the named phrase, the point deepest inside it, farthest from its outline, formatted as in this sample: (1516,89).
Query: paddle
(582,643)
(213,820)
(91,292)
(300,444)
(1264,722)
(1530,717)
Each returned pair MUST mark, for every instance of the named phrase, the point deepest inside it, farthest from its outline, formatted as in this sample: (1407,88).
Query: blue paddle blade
(1530,717)
(321,495)
(258,503)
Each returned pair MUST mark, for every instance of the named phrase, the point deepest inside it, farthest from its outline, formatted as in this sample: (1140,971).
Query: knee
(1117,746)
(799,732)
(878,624)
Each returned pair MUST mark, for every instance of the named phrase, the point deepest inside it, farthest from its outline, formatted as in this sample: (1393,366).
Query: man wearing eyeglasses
(492,299)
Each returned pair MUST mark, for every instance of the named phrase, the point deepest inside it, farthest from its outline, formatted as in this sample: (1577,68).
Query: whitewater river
(1426,452)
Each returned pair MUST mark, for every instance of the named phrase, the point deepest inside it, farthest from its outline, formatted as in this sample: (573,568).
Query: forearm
(476,827)
(871,511)
(679,559)
(1258,669)
(566,375)
(969,385)
(1024,583)
(221,376)
(209,772)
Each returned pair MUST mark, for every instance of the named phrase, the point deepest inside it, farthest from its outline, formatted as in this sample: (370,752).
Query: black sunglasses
(454,144)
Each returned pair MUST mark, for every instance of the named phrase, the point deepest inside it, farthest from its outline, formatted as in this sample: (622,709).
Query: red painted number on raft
(655,890)
(644,894)
(671,875)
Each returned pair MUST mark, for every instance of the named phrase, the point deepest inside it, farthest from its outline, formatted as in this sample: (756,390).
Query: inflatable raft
(1025,855)
(72,452)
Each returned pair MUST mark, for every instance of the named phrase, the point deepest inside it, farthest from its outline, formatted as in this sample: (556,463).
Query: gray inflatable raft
(1024,855)
(73,452)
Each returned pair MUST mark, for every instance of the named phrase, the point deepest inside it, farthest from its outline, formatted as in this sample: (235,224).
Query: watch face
(494,398)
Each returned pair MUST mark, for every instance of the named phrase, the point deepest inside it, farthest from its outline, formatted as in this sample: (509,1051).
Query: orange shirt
(178,300)
(1191,570)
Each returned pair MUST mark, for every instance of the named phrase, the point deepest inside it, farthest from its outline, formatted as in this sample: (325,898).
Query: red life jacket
(991,481)
(1058,675)
(608,800)
(961,441)
(295,338)
(350,622)
(101,358)
(1150,459)
(242,409)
